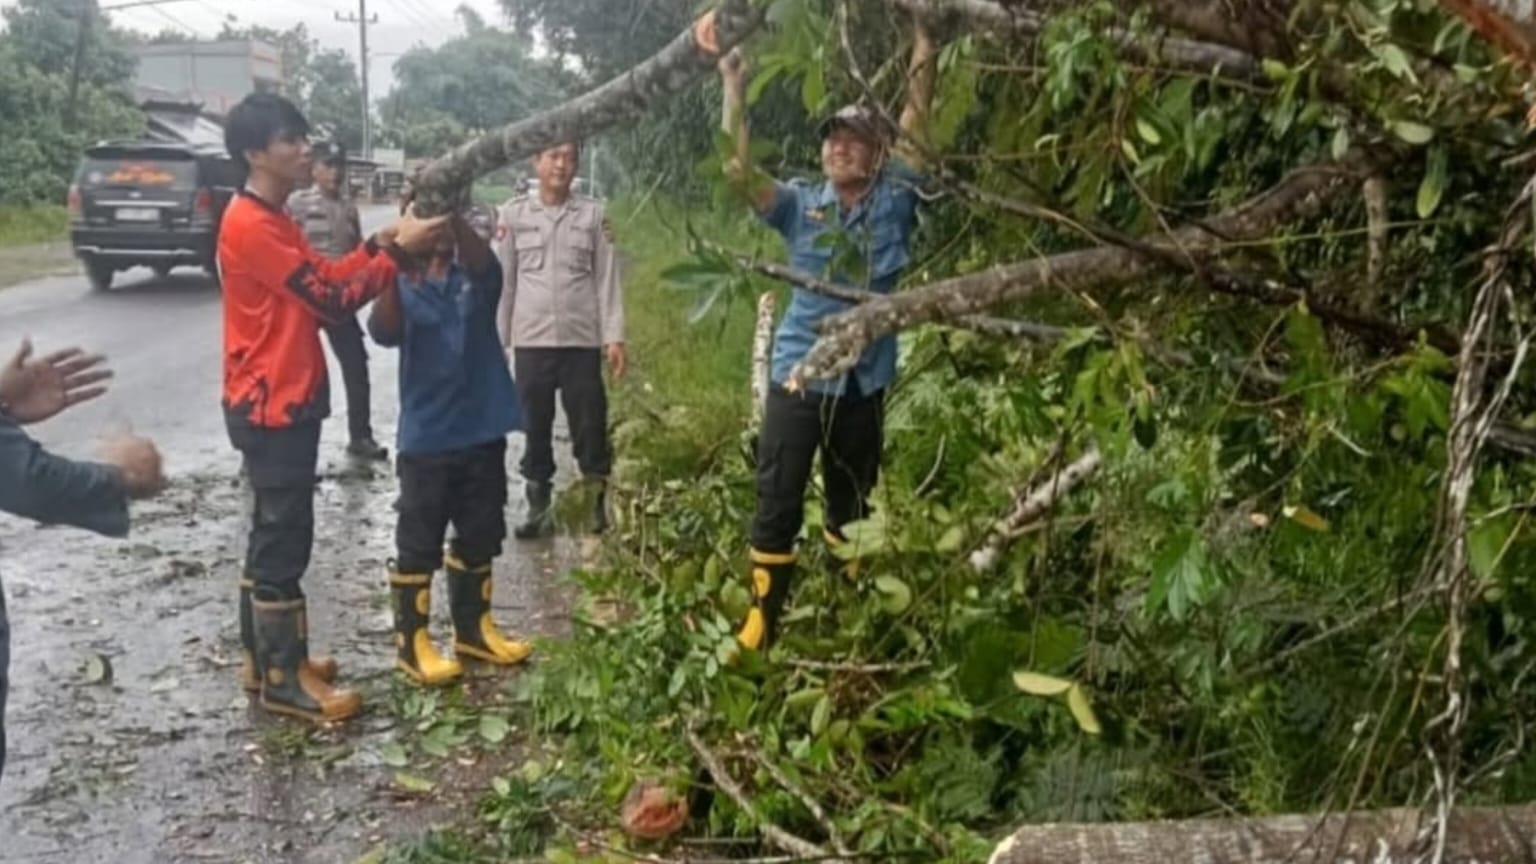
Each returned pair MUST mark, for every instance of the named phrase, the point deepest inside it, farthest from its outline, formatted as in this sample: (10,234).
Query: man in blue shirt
(457,405)
(854,227)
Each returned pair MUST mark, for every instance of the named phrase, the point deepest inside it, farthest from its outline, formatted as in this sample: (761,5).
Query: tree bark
(1483,835)
(845,335)
(1013,21)
(626,96)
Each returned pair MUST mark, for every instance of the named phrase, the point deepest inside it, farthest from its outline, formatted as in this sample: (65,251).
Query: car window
(139,171)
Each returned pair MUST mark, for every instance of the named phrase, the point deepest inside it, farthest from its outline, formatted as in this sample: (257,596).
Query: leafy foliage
(1229,612)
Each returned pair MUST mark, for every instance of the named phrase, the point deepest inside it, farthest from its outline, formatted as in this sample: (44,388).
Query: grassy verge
(39,223)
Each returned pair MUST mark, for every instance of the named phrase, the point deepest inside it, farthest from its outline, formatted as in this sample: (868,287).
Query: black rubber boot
(771,575)
(250,677)
(600,505)
(474,632)
(540,521)
(368,450)
(417,656)
(288,684)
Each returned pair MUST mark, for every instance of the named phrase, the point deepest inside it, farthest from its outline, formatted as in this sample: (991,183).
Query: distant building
(215,74)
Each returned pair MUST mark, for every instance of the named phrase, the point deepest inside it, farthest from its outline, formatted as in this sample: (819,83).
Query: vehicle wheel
(100,274)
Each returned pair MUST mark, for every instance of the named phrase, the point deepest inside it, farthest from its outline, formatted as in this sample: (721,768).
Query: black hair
(257,121)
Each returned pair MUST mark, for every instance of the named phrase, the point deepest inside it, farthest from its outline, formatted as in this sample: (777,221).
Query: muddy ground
(156,755)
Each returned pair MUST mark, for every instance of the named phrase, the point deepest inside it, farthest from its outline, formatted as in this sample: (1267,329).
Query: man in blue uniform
(854,226)
(457,405)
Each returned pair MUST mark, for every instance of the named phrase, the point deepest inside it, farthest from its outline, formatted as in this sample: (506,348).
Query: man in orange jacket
(278,291)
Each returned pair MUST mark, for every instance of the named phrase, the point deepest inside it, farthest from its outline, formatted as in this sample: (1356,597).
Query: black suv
(148,203)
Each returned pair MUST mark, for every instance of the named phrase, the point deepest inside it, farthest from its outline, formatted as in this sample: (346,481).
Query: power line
(134,4)
(175,22)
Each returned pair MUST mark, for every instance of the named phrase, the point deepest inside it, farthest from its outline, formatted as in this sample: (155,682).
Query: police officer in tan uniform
(561,316)
(330,222)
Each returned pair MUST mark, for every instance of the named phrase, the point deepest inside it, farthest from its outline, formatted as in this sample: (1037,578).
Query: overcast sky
(402,23)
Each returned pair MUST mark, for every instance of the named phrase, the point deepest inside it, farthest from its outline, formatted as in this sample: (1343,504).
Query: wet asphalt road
(165,760)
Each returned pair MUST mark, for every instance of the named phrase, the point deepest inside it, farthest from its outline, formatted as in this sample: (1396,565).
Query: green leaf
(494,728)
(821,715)
(1396,62)
(1148,132)
(813,88)
(897,596)
(952,540)
(1340,142)
(1082,712)
(1413,133)
(1432,187)
(1305,517)
(1274,70)
(393,754)
(413,783)
(1036,684)
(1485,543)
(1179,574)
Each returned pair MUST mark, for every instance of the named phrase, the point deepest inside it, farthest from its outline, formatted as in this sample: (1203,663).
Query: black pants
(848,431)
(578,374)
(280,466)
(346,338)
(466,488)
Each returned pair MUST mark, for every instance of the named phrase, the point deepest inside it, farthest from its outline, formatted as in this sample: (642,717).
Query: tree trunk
(1482,835)
(626,96)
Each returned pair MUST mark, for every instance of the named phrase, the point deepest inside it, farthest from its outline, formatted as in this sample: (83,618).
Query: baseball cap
(327,153)
(860,120)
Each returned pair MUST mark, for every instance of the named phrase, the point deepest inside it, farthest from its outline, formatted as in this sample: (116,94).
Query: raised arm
(760,188)
(913,143)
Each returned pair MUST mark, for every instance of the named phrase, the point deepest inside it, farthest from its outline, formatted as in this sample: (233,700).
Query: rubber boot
(540,521)
(600,505)
(288,684)
(771,575)
(474,633)
(836,542)
(324,667)
(411,596)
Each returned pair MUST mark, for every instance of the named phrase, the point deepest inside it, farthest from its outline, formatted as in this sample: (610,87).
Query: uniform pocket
(583,249)
(530,249)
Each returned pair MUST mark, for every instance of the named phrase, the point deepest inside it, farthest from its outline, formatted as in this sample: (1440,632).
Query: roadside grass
(683,406)
(36,223)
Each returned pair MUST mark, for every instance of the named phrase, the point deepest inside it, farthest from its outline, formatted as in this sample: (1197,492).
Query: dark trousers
(280,466)
(465,488)
(577,373)
(346,338)
(848,431)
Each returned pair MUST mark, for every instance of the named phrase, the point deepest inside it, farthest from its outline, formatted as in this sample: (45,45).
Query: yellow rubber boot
(474,632)
(417,657)
(771,575)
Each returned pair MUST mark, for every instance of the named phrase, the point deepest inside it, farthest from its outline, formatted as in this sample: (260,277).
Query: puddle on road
(130,739)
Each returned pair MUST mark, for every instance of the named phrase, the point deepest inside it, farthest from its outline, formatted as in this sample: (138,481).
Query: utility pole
(82,35)
(362,21)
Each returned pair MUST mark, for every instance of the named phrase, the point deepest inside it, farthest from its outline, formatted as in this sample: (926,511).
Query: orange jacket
(277,292)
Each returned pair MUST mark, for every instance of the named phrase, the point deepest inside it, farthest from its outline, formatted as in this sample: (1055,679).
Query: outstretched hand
(706,33)
(33,390)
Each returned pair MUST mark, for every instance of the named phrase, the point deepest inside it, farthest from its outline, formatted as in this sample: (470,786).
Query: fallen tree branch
(1377,836)
(817,812)
(1032,504)
(762,357)
(776,836)
(626,96)
(845,335)
(1014,21)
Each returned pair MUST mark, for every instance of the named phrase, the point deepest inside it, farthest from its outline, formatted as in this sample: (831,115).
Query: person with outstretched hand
(278,291)
(37,485)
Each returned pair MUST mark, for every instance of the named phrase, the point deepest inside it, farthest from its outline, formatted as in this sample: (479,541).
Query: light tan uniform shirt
(561,286)
(330,224)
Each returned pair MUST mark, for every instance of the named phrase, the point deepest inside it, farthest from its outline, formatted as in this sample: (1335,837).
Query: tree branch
(628,95)
(1014,21)
(845,335)
(776,836)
